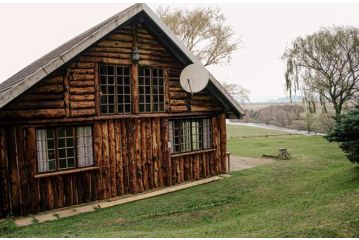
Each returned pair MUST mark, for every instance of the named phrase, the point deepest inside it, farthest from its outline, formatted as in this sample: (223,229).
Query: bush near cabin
(346,132)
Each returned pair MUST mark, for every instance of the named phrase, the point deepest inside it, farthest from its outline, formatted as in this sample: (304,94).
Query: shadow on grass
(355,172)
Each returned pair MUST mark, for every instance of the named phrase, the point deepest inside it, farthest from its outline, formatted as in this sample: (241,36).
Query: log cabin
(104,115)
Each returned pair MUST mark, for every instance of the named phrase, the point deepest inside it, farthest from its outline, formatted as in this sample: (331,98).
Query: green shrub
(346,132)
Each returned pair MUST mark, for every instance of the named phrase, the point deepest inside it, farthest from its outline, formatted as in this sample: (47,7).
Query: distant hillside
(285,99)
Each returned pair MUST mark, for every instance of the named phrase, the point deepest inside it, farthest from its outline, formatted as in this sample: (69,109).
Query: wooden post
(166,153)
(223,142)
(98,91)
(134,72)
(67,93)
(138,160)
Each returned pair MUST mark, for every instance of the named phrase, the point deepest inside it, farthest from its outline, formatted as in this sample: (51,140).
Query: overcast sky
(30,31)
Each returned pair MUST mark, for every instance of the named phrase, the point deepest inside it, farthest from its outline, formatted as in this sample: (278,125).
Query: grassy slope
(245,131)
(315,194)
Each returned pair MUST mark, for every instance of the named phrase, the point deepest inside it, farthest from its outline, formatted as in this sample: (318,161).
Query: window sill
(193,152)
(50,174)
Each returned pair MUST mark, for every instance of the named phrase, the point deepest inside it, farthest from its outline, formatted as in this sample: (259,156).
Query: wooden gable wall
(71,91)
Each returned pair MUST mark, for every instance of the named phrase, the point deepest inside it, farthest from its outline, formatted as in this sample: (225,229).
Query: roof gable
(47,64)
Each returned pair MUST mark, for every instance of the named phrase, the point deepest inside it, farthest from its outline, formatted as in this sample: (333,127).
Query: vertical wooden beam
(149,153)
(131,156)
(134,72)
(216,145)
(5,195)
(144,154)
(112,157)
(105,155)
(223,142)
(138,160)
(125,159)
(167,166)
(14,172)
(119,159)
(23,172)
(67,93)
(31,159)
(167,89)
(155,154)
(99,160)
(97,91)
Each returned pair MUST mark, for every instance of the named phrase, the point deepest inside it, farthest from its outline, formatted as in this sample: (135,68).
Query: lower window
(190,135)
(63,148)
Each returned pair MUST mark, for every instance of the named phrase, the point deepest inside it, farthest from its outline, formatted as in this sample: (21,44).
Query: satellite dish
(194,78)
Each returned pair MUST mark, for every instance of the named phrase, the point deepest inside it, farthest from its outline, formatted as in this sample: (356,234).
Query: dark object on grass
(346,133)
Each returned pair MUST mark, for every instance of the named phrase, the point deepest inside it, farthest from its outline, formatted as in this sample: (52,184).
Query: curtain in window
(42,154)
(172,142)
(84,146)
(185,136)
(207,137)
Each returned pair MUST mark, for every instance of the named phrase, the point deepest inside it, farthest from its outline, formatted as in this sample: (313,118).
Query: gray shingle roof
(30,75)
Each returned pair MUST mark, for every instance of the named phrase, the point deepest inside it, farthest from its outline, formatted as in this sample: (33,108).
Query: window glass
(63,148)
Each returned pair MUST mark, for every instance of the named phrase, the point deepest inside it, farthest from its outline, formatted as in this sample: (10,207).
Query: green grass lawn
(234,131)
(315,194)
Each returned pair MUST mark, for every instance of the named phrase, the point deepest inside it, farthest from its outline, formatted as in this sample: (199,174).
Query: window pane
(84,146)
(115,83)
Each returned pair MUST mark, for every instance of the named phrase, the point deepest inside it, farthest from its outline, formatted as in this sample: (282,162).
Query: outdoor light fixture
(135,55)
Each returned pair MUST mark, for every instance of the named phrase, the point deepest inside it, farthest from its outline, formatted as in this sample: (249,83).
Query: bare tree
(240,93)
(325,67)
(204,31)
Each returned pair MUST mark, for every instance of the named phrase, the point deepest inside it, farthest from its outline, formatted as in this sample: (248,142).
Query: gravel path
(240,163)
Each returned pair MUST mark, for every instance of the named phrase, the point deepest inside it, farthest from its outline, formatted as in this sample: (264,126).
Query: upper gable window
(115,88)
(151,90)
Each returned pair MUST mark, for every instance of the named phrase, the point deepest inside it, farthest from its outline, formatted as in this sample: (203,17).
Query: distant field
(245,131)
(254,106)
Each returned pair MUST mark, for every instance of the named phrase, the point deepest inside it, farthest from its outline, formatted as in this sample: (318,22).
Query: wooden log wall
(72,91)
(132,156)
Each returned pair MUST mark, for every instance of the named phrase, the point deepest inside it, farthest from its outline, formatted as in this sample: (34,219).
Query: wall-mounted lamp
(135,55)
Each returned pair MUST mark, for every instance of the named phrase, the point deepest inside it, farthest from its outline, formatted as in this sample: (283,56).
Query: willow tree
(324,66)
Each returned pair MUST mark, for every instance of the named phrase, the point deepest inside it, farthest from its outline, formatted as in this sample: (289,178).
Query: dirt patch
(240,163)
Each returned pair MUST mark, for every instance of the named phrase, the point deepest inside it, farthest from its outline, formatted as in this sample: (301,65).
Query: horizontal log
(178,95)
(82,77)
(43,113)
(82,97)
(120,37)
(178,108)
(82,65)
(201,98)
(39,97)
(174,83)
(178,102)
(159,64)
(110,50)
(54,80)
(107,60)
(53,89)
(83,70)
(36,105)
(82,83)
(176,89)
(79,105)
(82,90)
(151,47)
(110,55)
(82,112)
(204,109)
(108,43)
